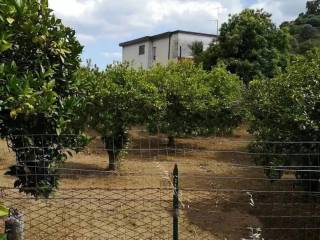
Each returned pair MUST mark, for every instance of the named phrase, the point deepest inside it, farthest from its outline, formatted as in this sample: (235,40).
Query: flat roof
(163,35)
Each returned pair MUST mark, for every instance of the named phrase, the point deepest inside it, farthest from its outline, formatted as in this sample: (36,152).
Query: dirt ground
(222,195)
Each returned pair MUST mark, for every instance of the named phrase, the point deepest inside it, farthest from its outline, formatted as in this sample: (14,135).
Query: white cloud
(282,10)
(127,18)
(73,8)
(114,55)
(170,8)
(85,39)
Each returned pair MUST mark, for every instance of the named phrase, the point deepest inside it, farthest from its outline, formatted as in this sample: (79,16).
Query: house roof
(162,35)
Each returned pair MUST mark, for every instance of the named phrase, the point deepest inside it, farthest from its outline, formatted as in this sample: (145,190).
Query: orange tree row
(180,99)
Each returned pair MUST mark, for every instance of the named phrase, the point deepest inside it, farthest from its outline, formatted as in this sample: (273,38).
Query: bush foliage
(38,56)
(250,45)
(179,99)
(195,102)
(305,30)
(116,99)
(287,109)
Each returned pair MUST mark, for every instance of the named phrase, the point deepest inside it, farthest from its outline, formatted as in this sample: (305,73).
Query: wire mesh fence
(94,214)
(223,192)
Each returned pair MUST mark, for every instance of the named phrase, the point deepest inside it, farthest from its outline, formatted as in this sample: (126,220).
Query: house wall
(162,50)
(184,40)
(174,46)
(131,54)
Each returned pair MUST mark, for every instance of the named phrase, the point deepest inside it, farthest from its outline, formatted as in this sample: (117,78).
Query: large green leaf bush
(195,102)
(38,101)
(285,119)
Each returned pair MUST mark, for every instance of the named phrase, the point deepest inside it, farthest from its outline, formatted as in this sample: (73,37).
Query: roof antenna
(217,19)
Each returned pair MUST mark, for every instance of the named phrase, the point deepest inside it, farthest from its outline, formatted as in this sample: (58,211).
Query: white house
(162,48)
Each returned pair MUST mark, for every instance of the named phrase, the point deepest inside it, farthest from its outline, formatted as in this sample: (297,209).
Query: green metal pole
(175,203)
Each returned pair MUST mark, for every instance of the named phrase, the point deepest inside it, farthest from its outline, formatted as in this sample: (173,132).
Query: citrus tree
(284,110)
(117,98)
(194,101)
(38,101)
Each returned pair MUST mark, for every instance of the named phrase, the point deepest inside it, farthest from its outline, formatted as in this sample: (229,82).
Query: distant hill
(305,30)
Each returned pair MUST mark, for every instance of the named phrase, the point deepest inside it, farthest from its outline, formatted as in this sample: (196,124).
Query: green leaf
(3,237)
(4,212)
(13,114)
(1,67)
(58,130)
(4,46)
(51,84)
(10,20)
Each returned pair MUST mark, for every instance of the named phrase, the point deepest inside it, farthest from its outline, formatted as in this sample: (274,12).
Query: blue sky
(102,24)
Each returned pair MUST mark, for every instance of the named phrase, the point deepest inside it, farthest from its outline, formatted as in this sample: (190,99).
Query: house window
(141,49)
(154,53)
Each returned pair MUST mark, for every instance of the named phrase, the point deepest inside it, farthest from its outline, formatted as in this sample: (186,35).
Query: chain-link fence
(218,193)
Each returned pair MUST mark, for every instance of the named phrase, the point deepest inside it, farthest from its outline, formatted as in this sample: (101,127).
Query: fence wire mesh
(223,192)
(94,214)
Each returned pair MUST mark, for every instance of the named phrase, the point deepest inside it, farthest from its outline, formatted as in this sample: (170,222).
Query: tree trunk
(171,142)
(113,161)
(115,145)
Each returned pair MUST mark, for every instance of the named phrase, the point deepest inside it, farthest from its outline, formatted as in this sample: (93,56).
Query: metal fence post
(175,203)
(14,225)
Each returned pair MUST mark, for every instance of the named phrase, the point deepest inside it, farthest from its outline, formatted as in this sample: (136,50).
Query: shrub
(38,56)
(286,109)
(195,102)
(117,98)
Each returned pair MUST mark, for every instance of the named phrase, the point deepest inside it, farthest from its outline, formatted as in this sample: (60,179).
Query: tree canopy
(116,99)
(38,56)
(286,109)
(180,99)
(305,30)
(250,45)
(196,48)
(313,7)
(195,102)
